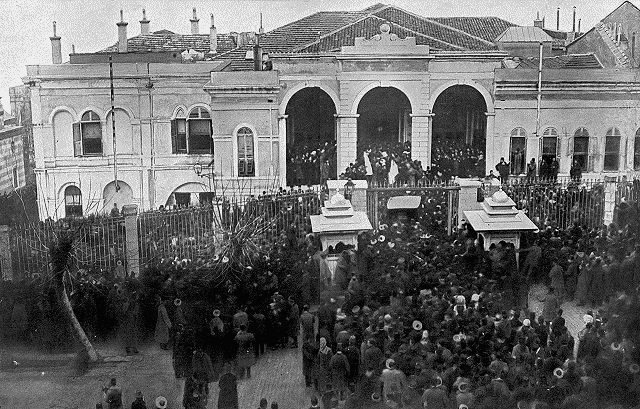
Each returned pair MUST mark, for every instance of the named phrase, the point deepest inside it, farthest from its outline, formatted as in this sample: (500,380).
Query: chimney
(194,23)
(122,34)
(558,19)
(574,19)
(144,23)
(213,37)
(73,48)
(56,46)
(257,49)
(537,22)
(579,21)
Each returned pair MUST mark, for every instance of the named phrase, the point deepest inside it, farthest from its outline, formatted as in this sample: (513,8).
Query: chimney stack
(144,23)
(73,48)
(123,47)
(558,19)
(579,21)
(194,23)
(574,19)
(537,22)
(213,37)
(56,46)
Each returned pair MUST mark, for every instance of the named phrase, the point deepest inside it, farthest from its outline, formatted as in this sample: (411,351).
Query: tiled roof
(523,34)
(367,28)
(487,28)
(578,61)
(165,40)
(448,34)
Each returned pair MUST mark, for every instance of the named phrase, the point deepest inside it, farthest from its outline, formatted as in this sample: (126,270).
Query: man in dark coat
(307,322)
(352,352)
(503,170)
(228,398)
(182,350)
(245,356)
(373,358)
(339,367)
(309,354)
(293,322)
(113,395)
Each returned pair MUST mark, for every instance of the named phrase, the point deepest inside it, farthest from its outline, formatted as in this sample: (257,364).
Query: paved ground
(277,376)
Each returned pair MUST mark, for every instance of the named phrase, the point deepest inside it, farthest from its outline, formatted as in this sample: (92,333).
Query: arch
(488,100)
(188,187)
(380,84)
(101,113)
(124,130)
(63,108)
(124,108)
(72,196)
(184,109)
(309,84)
(123,196)
(62,124)
(236,154)
(197,105)
(519,132)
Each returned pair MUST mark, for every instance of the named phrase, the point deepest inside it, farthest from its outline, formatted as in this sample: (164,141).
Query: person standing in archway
(503,170)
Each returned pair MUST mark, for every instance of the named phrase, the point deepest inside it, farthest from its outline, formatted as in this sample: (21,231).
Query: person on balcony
(503,170)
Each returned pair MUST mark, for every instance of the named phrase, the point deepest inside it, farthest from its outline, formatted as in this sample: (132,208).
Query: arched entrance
(384,119)
(311,137)
(384,128)
(121,196)
(459,132)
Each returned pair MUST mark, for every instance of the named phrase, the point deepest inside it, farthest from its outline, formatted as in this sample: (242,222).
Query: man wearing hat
(307,322)
(435,396)
(139,402)
(245,357)
(393,382)
(161,402)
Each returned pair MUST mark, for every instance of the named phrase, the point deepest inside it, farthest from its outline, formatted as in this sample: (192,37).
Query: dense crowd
(311,163)
(392,164)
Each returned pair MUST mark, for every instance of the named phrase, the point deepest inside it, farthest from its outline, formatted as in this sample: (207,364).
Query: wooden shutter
(594,153)
(174,136)
(77,140)
(624,145)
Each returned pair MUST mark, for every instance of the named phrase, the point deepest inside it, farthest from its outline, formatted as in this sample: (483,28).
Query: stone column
(610,184)
(347,140)
(282,149)
(421,134)
(492,156)
(6,264)
(131,232)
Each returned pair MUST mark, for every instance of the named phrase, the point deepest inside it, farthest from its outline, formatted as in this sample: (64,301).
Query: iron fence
(559,202)
(438,208)
(99,243)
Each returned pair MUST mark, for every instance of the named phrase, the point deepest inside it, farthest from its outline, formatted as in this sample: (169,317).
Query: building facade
(246,107)
(12,168)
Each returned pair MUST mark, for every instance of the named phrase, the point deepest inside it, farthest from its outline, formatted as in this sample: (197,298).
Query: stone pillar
(468,197)
(282,149)
(131,232)
(492,156)
(610,184)
(6,264)
(421,138)
(347,140)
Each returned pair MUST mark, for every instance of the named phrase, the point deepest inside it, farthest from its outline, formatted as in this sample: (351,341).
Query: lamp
(197,168)
(349,188)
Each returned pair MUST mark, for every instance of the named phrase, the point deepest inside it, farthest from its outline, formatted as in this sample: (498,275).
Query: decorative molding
(385,43)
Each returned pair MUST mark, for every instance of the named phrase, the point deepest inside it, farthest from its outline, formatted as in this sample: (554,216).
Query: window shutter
(77,140)
(624,145)
(569,146)
(174,136)
(594,153)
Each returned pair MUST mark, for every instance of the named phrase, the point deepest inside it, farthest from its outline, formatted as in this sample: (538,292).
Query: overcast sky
(26,25)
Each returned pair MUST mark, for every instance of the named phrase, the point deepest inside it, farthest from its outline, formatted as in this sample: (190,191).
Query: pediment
(385,43)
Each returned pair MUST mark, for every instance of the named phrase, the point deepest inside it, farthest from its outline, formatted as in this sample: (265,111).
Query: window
(549,145)
(192,134)
(179,133)
(517,153)
(87,135)
(581,148)
(182,199)
(246,165)
(15,176)
(612,150)
(206,198)
(636,151)
(72,202)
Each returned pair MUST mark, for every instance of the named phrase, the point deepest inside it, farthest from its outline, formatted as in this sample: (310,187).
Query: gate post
(610,184)
(131,237)
(6,265)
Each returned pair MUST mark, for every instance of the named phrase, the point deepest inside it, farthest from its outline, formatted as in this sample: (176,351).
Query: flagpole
(113,126)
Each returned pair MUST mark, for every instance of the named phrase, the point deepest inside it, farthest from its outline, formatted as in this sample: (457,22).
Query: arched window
(549,149)
(517,152)
(246,163)
(636,151)
(612,150)
(72,202)
(87,135)
(192,134)
(581,148)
